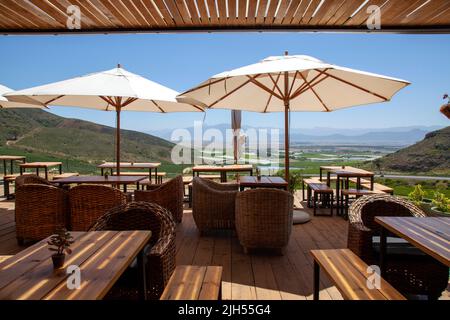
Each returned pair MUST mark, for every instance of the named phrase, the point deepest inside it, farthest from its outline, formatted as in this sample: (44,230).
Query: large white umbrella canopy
(24,103)
(111,90)
(292,83)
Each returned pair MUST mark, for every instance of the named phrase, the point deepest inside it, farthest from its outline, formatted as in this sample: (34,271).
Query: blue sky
(181,61)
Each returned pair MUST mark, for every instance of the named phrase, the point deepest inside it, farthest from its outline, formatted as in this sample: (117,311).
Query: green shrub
(417,194)
(295,179)
(441,202)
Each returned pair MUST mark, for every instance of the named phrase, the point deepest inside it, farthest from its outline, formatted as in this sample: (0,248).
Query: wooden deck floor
(259,275)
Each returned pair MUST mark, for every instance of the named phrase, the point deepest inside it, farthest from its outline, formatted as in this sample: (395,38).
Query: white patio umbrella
(292,83)
(25,102)
(111,90)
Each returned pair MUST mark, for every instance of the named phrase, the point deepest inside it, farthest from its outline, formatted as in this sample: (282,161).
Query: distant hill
(38,131)
(431,155)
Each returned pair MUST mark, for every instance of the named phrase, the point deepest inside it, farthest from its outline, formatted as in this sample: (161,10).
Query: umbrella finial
(286,53)
(119,65)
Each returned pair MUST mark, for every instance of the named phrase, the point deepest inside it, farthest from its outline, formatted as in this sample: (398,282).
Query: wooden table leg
(101,171)
(383,251)
(46,173)
(316,280)
(372,178)
(328,179)
(141,262)
(320,174)
(60,169)
(21,171)
(338,198)
(156,175)
(11,167)
(124,188)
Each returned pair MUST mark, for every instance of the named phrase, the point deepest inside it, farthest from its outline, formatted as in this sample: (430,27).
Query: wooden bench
(316,188)
(351,276)
(346,193)
(194,283)
(365,184)
(66,175)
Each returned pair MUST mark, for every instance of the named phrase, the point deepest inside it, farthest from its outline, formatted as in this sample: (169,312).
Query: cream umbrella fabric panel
(112,90)
(293,83)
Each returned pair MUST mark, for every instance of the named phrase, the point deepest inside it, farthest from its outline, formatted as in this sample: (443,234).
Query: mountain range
(395,136)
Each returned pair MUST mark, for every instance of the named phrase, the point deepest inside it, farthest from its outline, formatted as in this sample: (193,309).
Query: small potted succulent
(441,205)
(60,243)
(445,108)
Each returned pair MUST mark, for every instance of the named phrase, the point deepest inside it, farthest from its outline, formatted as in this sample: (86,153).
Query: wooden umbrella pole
(118,140)
(286,125)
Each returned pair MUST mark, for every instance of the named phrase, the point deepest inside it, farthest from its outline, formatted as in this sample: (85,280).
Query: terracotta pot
(445,110)
(58,260)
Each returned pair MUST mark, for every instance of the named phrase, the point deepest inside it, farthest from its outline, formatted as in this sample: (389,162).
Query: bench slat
(349,273)
(194,283)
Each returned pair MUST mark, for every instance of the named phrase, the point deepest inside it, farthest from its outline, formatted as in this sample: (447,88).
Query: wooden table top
(101,179)
(12,157)
(102,257)
(39,164)
(252,181)
(232,167)
(431,235)
(129,165)
(348,171)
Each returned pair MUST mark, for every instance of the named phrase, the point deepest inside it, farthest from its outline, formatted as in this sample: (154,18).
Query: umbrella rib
(293,82)
(261,86)
(300,89)
(161,109)
(356,86)
(275,84)
(229,93)
(306,88)
(53,100)
(271,95)
(315,93)
(108,100)
(204,85)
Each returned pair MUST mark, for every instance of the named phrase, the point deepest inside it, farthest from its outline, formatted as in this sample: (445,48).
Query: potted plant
(445,108)
(418,196)
(60,243)
(441,205)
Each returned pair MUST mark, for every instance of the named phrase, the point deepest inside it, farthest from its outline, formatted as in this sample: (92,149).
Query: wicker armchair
(264,218)
(169,195)
(160,254)
(40,210)
(31,179)
(213,204)
(407,269)
(89,202)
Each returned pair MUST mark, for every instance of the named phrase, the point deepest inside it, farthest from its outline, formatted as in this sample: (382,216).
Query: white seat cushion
(300,216)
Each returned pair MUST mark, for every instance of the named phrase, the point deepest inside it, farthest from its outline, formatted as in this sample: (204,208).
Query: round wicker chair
(89,202)
(161,252)
(168,195)
(264,218)
(213,204)
(410,274)
(40,210)
(31,179)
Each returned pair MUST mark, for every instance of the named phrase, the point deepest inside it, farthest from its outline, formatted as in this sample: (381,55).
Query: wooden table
(112,180)
(264,182)
(345,173)
(431,235)
(102,257)
(132,165)
(223,170)
(11,160)
(40,165)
